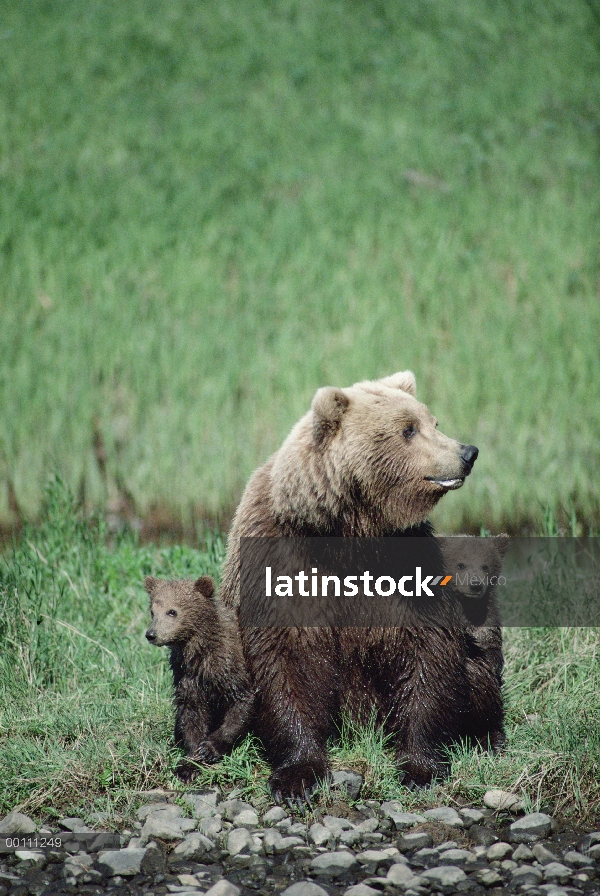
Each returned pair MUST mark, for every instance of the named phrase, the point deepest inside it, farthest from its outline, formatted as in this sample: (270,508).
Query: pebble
(577,860)
(287,843)
(523,854)
(17,823)
(539,851)
(526,874)
(498,851)
(122,862)
(457,857)
(143,812)
(305,888)
(272,817)
(490,878)
(444,876)
(164,827)
(337,825)
(362,890)
(503,800)
(399,874)
(445,815)
(531,827)
(319,834)
(332,864)
(223,888)
(247,818)
(239,840)
(557,872)
(418,840)
(471,816)
(203,804)
(194,847)
(376,857)
(230,808)
(349,783)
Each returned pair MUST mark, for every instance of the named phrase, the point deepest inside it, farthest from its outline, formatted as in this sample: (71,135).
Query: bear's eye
(460,566)
(409,431)
(171,612)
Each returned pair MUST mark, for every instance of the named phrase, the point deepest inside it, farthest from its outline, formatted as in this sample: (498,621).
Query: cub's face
(177,608)
(473,563)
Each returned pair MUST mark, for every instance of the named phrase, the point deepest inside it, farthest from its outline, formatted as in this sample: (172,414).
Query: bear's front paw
(294,784)
(420,771)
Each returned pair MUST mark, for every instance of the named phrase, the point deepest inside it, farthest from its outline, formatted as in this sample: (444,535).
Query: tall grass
(85,703)
(209,210)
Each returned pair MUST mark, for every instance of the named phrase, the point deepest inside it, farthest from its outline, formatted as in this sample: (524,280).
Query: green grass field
(86,721)
(209,210)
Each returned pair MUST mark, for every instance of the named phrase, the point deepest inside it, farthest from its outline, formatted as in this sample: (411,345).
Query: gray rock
(459,857)
(522,854)
(556,872)
(490,878)
(121,862)
(526,874)
(30,857)
(287,843)
(508,865)
(425,858)
(403,821)
(361,890)
(375,857)
(577,860)
(539,851)
(223,888)
(471,816)
(210,826)
(270,838)
(531,827)
(203,804)
(78,864)
(17,823)
(75,825)
(160,827)
(194,847)
(417,840)
(332,864)
(144,811)
(594,852)
(305,888)
(230,808)
(503,800)
(247,818)
(272,817)
(239,841)
(445,815)
(400,875)
(347,782)
(337,825)
(350,838)
(498,851)
(444,876)
(319,834)
(368,826)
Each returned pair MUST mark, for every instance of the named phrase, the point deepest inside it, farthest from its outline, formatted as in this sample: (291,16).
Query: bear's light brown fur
(213,693)
(364,461)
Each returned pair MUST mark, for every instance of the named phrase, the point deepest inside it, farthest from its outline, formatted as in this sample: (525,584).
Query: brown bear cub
(213,693)
(475,565)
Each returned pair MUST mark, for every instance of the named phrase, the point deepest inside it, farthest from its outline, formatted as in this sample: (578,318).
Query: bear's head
(473,563)
(180,609)
(371,455)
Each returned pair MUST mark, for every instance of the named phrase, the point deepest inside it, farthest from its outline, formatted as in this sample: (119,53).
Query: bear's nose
(468,455)
(150,635)
(476,587)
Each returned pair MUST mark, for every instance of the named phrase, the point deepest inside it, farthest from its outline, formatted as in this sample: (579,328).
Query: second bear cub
(213,693)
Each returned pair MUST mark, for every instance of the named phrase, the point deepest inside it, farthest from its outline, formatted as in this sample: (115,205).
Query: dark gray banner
(416,581)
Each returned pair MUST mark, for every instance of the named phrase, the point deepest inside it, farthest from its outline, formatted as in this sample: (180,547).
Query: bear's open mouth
(446,483)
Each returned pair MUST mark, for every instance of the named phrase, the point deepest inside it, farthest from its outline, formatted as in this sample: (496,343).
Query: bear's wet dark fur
(366,461)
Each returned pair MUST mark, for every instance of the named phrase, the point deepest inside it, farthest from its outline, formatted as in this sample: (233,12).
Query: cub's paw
(294,784)
(206,753)
(186,770)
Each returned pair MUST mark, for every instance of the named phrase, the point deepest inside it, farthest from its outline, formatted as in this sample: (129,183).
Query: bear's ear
(150,584)
(205,585)
(404,380)
(502,542)
(328,407)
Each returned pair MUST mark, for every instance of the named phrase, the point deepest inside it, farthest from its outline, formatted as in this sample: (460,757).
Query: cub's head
(473,563)
(386,449)
(180,609)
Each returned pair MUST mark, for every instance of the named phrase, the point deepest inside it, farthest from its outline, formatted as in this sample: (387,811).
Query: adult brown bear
(364,461)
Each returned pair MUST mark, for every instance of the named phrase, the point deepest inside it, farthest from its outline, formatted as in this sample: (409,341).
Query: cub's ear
(502,542)
(328,407)
(404,380)
(150,584)
(205,585)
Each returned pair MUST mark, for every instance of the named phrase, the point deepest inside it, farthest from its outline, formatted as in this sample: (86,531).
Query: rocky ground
(223,847)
